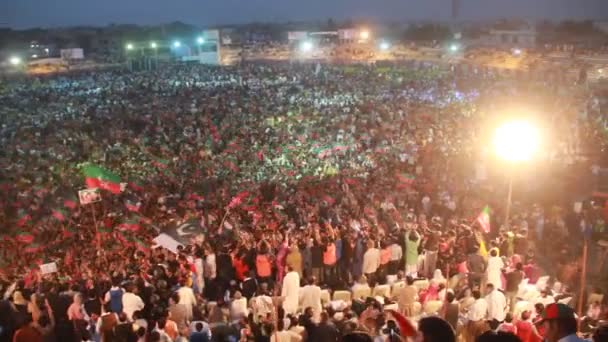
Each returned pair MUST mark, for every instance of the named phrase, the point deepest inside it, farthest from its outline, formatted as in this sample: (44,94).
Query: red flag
(238,199)
(406,328)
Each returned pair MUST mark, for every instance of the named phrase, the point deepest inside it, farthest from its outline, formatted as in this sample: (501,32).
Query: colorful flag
(160,162)
(132,206)
(131,224)
(98,177)
(140,245)
(23,218)
(238,199)
(136,185)
(484,219)
(405,180)
(33,247)
(25,237)
(71,202)
(59,214)
(69,231)
(406,328)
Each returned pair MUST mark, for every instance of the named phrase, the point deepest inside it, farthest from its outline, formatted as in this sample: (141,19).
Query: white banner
(87,196)
(51,267)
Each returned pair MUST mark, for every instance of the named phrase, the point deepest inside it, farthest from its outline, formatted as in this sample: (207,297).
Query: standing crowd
(322,203)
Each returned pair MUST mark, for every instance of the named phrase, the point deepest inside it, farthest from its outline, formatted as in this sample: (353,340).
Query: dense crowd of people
(323,202)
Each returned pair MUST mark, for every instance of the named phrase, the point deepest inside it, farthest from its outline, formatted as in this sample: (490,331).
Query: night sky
(21,14)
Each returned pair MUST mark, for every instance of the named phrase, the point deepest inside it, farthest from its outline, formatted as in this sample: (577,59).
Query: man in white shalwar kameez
(186,297)
(494,270)
(290,291)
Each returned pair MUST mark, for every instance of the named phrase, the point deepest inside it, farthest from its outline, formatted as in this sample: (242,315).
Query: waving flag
(25,237)
(59,214)
(132,205)
(98,177)
(23,218)
(484,219)
(238,199)
(130,224)
(71,202)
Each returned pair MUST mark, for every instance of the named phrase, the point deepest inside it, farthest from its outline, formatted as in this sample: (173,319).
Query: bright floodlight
(517,52)
(177,44)
(34,56)
(15,60)
(129,46)
(453,47)
(46,50)
(153,45)
(384,46)
(200,40)
(306,46)
(364,34)
(516,141)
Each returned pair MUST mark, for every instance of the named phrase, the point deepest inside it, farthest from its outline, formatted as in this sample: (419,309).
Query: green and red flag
(98,177)
(59,214)
(33,247)
(405,180)
(160,162)
(70,202)
(132,206)
(484,219)
(140,245)
(69,231)
(25,237)
(23,218)
(130,224)
(238,199)
(136,185)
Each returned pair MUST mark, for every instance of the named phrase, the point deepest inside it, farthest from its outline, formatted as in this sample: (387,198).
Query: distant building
(524,38)
(601,26)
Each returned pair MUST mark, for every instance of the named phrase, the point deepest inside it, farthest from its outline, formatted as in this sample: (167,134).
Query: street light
(364,34)
(200,40)
(177,44)
(385,46)
(129,46)
(454,47)
(515,141)
(15,60)
(306,46)
(153,45)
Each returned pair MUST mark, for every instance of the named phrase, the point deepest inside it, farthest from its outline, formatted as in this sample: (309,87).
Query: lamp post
(515,142)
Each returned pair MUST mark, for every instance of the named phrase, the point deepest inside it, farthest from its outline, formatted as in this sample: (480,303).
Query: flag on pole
(484,219)
(98,177)
(33,247)
(132,205)
(238,199)
(405,180)
(131,224)
(70,202)
(23,218)
(160,163)
(59,214)
(25,237)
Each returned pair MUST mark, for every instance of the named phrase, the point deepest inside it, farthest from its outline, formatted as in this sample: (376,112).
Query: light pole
(515,142)
(154,47)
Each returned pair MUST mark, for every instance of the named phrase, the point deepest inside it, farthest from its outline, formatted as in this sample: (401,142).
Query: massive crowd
(322,198)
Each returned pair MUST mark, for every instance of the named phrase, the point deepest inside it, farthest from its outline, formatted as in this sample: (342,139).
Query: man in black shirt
(324,331)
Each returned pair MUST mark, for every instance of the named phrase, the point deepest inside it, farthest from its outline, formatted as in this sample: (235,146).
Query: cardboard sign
(87,196)
(51,267)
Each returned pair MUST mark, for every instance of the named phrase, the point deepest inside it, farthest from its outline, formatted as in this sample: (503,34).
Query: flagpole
(509,195)
(97,236)
(583,280)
